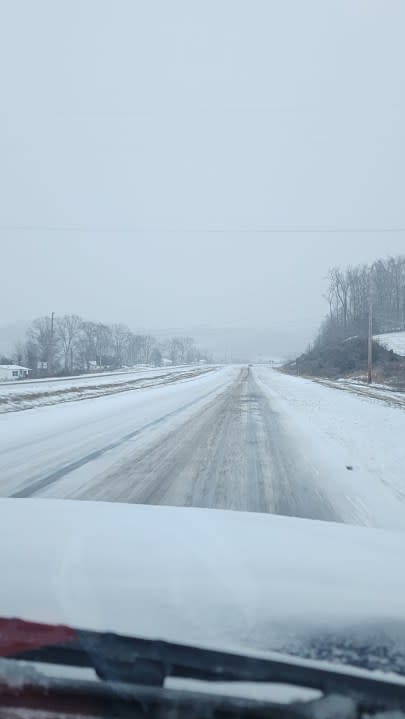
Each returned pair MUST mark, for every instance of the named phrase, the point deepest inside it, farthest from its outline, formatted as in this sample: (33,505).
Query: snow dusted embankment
(394,341)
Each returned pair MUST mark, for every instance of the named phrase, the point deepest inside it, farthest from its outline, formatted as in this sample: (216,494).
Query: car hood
(222,579)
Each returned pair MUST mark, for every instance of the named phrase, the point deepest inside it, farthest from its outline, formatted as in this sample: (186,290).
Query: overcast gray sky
(130,129)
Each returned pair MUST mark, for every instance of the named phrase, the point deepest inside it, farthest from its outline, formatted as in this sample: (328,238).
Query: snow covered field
(393,341)
(384,393)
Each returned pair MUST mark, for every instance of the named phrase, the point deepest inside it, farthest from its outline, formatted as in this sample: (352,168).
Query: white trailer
(11,372)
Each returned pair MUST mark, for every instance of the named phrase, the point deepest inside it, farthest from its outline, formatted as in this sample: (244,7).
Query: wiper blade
(146,662)
(57,697)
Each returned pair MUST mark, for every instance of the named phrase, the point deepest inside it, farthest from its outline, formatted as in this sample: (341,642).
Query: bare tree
(348,299)
(134,343)
(190,350)
(175,348)
(120,334)
(339,290)
(156,356)
(68,330)
(41,335)
(149,344)
(96,345)
(103,343)
(85,344)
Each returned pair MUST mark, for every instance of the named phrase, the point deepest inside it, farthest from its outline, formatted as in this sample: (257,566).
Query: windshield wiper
(147,663)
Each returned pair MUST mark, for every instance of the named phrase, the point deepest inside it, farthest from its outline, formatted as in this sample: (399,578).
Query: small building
(11,372)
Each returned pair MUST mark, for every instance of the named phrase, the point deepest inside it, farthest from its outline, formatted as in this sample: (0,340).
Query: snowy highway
(237,437)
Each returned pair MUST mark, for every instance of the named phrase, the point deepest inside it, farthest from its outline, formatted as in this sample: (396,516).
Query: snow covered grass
(385,393)
(355,445)
(393,341)
(16,396)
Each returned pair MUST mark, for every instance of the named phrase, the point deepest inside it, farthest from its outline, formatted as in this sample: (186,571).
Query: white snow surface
(54,383)
(29,394)
(40,441)
(330,430)
(337,430)
(215,578)
(392,341)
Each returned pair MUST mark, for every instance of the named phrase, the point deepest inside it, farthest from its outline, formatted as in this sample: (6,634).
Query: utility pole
(50,352)
(370,340)
(370,328)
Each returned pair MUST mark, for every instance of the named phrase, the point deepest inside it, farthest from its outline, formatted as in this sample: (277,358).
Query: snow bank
(394,341)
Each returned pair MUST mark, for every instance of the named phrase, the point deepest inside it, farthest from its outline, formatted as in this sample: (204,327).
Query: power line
(205,231)
(164,110)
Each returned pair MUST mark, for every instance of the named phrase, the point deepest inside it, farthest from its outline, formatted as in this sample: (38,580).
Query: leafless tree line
(67,344)
(348,296)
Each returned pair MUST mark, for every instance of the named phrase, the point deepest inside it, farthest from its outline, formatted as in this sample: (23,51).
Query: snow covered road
(41,447)
(29,394)
(236,438)
(229,455)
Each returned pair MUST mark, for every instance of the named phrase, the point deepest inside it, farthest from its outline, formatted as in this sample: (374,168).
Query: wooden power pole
(50,352)
(370,340)
(370,325)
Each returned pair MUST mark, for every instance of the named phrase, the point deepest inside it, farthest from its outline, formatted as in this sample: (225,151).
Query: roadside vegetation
(57,346)
(341,346)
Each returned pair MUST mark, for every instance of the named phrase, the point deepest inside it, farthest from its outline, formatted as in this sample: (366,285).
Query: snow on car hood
(208,577)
